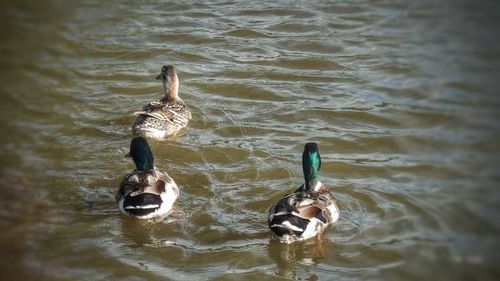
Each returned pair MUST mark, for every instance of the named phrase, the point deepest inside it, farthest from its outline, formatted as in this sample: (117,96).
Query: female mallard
(306,212)
(166,117)
(146,192)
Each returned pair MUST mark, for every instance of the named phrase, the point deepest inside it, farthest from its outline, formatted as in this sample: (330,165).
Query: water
(401,97)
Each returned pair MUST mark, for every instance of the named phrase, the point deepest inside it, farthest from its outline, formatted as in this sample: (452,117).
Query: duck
(307,211)
(166,117)
(147,192)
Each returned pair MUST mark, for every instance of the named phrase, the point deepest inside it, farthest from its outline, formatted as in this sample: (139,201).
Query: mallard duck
(166,117)
(306,212)
(146,192)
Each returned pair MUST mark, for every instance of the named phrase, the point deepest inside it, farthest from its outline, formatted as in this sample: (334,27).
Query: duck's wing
(315,207)
(169,183)
(157,188)
(304,205)
(175,112)
(135,181)
(152,181)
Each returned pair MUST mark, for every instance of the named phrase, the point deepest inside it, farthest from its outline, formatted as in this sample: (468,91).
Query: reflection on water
(290,258)
(401,97)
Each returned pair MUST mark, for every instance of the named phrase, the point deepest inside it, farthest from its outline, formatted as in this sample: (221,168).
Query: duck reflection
(289,257)
(153,232)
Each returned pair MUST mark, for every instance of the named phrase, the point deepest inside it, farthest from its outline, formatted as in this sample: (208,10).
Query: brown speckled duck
(166,117)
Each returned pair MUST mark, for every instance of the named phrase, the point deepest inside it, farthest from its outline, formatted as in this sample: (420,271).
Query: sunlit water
(401,97)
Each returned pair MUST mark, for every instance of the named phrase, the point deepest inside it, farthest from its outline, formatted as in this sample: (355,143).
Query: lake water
(401,96)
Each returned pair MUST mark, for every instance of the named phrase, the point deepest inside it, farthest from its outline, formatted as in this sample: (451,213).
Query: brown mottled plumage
(166,117)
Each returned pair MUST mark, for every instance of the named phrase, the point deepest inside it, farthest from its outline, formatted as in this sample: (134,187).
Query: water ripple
(400,97)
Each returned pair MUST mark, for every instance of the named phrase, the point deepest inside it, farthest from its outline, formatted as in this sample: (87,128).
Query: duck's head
(141,153)
(311,164)
(170,82)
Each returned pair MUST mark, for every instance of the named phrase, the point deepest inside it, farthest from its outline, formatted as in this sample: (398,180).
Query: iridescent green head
(311,163)
(141,153)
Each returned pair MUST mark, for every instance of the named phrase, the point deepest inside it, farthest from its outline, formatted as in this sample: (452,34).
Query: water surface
(401,97)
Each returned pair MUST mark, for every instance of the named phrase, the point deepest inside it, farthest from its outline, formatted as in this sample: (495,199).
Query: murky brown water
(402,98)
